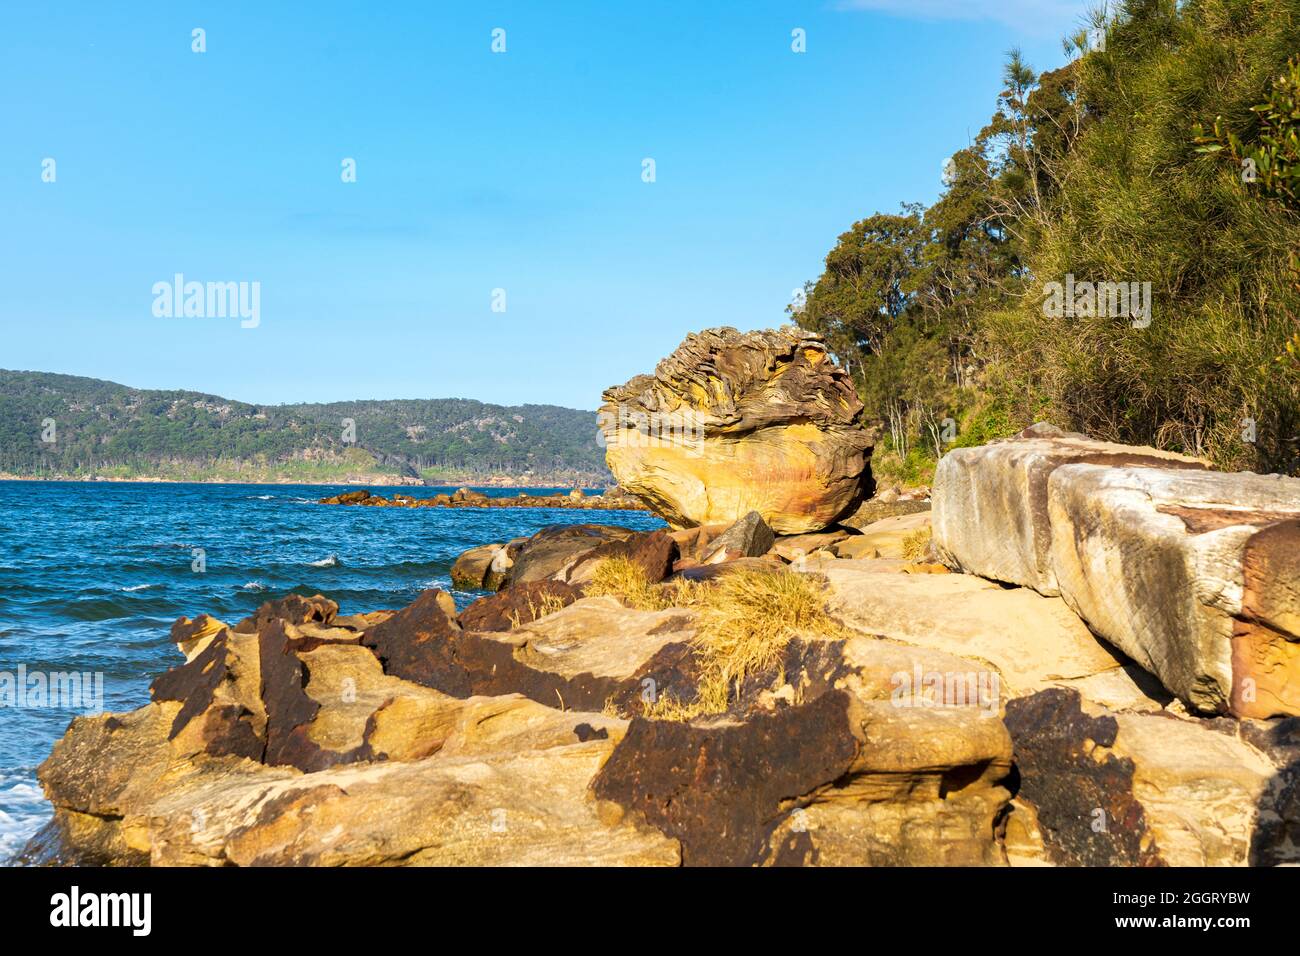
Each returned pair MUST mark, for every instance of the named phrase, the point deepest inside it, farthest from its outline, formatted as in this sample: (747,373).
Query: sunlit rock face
(1191,572)
(737,422)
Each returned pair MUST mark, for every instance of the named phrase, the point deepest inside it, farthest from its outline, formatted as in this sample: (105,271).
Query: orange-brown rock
(736,422)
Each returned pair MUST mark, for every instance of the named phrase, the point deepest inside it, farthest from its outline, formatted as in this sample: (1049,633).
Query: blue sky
(476,171)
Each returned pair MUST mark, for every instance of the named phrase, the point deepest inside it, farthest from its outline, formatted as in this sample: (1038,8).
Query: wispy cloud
(1029,16)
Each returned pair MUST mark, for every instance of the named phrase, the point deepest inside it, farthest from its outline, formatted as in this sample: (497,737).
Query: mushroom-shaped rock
(737,422)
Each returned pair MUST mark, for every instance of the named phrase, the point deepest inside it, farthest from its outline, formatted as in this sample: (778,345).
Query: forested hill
(78,427)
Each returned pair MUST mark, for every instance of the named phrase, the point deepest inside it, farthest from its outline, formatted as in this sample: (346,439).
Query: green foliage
(1098,171)
(115,431)
(1273,157)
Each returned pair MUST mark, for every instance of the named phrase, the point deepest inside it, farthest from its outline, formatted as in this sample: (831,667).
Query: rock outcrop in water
(614,500)
(737,422)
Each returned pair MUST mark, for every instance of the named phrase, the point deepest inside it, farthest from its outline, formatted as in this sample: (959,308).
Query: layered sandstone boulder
(1192,573)
(737,422)
(989,503)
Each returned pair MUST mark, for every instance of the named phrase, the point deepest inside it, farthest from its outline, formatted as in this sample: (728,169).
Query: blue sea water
(92,575)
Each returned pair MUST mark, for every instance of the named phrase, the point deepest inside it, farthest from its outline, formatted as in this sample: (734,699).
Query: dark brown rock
(415,644)
(653,551)
(721,790)
(547,552)
(292,609)
(519,604)
(347,498)
(1086,807)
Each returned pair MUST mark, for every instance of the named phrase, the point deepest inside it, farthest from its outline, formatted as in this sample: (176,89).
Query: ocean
(92,575)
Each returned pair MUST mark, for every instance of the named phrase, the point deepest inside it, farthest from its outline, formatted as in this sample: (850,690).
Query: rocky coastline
(613,500)
(1070,653)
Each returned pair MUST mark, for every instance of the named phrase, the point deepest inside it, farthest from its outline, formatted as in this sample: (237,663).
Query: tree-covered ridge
(103,427)
(1128,165)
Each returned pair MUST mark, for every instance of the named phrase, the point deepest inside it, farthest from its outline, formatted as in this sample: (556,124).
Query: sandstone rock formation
(654,552)
(990,502)
(736,422)
(886,538)
(750,537)
(1110,769)
(302,737)
(1142,789)
(1190,572)
(471,571)
(931,718)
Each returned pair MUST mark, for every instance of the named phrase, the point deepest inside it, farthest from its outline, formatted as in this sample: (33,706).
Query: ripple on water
(92,575)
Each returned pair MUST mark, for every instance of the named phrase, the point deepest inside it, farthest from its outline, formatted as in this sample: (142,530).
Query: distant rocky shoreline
(383,481)
(467,498)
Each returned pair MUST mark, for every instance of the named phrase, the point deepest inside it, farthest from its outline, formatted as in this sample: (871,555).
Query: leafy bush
(1098,171)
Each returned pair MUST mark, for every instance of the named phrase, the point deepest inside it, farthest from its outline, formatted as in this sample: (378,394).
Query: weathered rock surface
(798,547)
(1029,642)
(550,550)
(1128,789)
(732,423)
(654,552)
(1110,770)
(1192,573)
(520,604)
(886,538)
(470,571)
(989,503)
(750,537)
(834,781)
(303,737)
(877,508)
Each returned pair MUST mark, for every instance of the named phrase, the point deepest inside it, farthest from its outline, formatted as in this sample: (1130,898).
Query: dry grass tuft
(625,579)
(744,621)
(548,604)
(916,544)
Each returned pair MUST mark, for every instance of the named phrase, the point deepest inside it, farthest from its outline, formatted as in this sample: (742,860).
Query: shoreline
(349,482)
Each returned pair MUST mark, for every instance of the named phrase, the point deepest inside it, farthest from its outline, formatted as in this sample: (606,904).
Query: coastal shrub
(1103,172)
